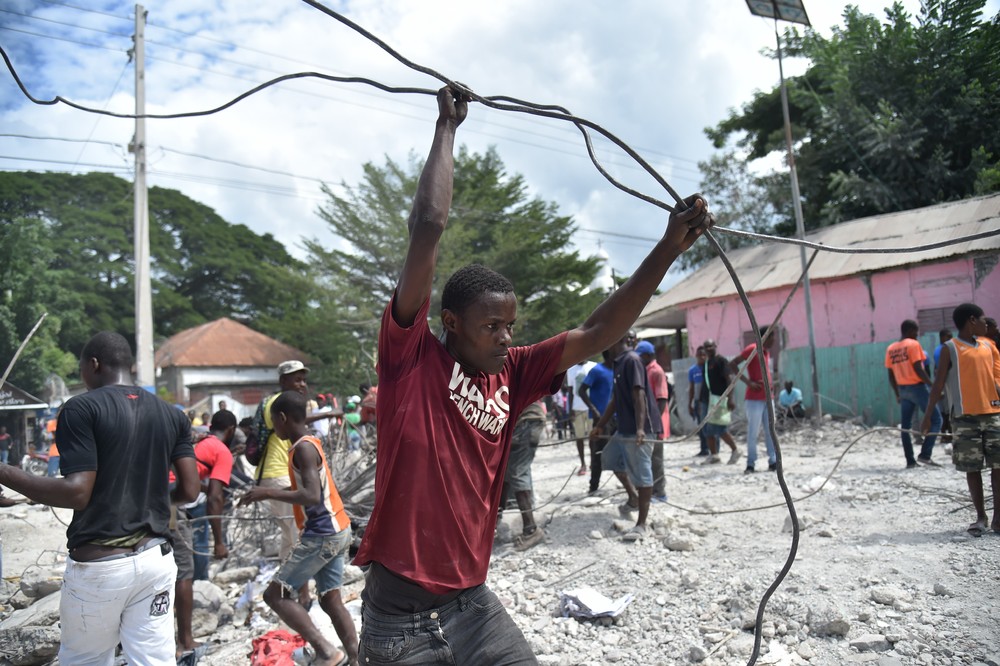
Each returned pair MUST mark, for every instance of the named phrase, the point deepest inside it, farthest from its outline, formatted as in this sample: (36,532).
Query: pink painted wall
(851,310)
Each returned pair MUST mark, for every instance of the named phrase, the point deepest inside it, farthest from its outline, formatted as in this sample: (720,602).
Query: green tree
(27,293)
(889,116)
(79,263)
(743,200)
(493,221)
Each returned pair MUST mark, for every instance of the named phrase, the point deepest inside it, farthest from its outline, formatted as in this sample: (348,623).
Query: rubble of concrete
(885,573)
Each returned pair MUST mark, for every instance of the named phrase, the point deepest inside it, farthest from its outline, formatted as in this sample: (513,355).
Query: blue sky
(655,74)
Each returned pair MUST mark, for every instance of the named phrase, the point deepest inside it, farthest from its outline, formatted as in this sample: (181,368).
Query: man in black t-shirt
(628,454)
(117,443)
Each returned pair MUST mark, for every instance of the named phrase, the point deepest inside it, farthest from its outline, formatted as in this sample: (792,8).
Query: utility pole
(800,231)
(145,370)
(794,12)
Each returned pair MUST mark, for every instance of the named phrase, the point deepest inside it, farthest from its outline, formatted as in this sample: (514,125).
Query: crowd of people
(460,416)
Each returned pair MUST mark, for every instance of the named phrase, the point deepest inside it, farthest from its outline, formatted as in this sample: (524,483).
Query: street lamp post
(795,12)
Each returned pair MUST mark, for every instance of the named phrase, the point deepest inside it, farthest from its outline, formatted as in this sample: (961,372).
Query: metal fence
(852,380)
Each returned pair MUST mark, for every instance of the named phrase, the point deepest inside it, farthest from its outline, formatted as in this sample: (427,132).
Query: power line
(88,10)
(220,160)
(63,23)
(272,55)
(61,39)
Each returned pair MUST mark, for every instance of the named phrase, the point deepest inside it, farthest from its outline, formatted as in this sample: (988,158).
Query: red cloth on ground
(275,648)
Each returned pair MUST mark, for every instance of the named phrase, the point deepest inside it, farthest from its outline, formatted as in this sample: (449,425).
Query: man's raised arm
(613,317)
(429,215)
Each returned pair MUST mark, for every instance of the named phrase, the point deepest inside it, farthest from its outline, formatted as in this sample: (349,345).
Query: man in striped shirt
(970,366)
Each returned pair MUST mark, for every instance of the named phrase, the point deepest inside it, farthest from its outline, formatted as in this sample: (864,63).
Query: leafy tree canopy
(67,247)
(889,116)
(493,221)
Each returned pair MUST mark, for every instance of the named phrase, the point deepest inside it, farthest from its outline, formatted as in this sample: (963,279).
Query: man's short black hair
(222,420)
(246,421)
(945,334)
(292,404)
(908,326)
(110,349)
(964,312)
(469,283)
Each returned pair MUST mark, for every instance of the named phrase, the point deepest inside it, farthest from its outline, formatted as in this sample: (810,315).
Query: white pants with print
(128,600)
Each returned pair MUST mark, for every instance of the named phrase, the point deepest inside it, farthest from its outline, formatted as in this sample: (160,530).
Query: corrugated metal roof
(774,265)
(224,343)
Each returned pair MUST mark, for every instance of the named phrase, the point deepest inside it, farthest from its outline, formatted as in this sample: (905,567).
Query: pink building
(856,298)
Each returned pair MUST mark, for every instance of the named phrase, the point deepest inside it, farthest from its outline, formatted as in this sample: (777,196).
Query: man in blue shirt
(944,335)
(595,391)
(790,400)
(696,408)
(628,453)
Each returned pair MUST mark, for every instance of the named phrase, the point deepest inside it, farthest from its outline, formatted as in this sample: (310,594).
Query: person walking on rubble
(324,540)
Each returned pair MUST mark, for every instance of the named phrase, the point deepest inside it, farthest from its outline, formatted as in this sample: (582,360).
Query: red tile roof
(224,343)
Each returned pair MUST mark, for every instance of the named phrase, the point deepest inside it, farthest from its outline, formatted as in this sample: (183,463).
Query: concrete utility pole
(145,370)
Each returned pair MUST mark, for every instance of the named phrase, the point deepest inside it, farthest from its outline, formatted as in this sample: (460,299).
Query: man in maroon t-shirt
(446,413)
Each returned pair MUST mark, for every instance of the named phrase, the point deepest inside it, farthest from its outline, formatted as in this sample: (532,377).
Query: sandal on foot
(635,534)
(977,529)
(526,541)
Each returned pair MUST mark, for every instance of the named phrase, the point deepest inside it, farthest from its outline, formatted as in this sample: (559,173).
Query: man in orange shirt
(904,360)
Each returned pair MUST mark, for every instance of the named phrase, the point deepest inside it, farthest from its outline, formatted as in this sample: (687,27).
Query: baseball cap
(288,367)
(645,347)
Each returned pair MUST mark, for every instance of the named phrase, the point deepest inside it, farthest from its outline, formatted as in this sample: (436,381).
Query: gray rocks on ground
(827,620)
(41,582)
(236,576)
(44,612)
(29,646)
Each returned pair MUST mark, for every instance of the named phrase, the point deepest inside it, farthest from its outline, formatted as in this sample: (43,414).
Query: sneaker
(660,499)
(772,467)
(912,465)
(526,541)
(711,460)
(626,509)
(701,454)
(637,533)
(734,456)
(928,462)
(749,470)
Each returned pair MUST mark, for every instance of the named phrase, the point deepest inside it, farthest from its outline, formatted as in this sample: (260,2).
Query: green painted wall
(852,380)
